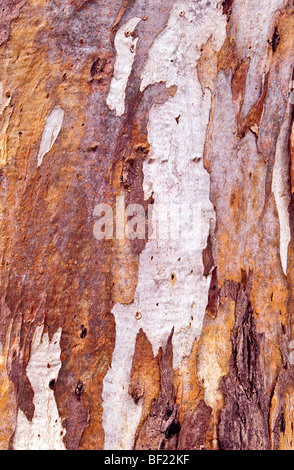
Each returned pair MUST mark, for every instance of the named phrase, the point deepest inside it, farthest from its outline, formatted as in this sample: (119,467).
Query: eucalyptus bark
(157,341)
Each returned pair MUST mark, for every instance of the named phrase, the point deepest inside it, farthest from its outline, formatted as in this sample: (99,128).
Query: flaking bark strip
(253,118)
(244,418)
(161,429)
(207,255)
(292,157)
(277,420)
(195,428)
(228,57)
(145,375)
(239,83)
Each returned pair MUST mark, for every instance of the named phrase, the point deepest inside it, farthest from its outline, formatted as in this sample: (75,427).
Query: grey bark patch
(75,423)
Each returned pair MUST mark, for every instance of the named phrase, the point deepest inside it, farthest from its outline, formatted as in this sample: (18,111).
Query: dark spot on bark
(79,390)
(143,150)
(227,8)
(97,67)
(93,148)
(138,315)
(275,40)
(233,198)
(283,424)
(52,384)
(84,332)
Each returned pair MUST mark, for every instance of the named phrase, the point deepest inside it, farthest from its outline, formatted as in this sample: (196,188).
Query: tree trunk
(147,252)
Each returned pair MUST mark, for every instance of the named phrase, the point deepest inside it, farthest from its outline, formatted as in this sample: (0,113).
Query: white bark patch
(175,175)
(45,432)
(4,99)
(121,415)
(281,188)
(125,46)
(51,131)
(5,114)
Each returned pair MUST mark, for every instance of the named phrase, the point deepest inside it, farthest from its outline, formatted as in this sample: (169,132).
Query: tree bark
(120,335)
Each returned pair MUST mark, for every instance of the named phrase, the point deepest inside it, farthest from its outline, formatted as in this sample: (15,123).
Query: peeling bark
(161,429)
(148,342)
(243,420)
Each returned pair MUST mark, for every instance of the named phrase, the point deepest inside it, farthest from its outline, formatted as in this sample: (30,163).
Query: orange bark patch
(145,375)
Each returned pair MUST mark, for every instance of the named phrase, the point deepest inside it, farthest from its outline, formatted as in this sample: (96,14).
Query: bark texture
(151,343)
